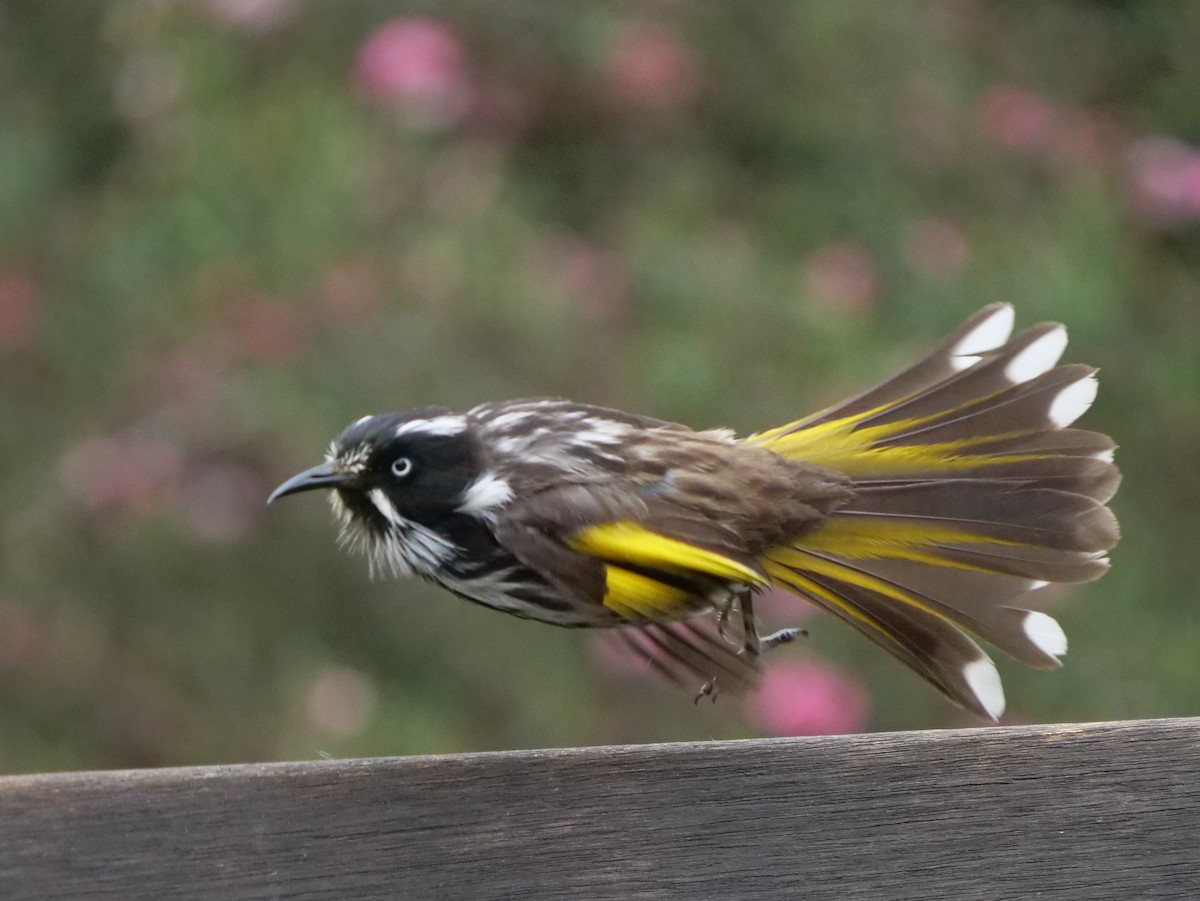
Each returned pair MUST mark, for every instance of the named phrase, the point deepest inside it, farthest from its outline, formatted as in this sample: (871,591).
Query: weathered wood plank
(1106,811)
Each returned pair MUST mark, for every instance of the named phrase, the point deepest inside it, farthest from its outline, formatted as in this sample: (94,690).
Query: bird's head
(392,479)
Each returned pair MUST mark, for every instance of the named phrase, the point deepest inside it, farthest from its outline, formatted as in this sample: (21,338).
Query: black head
(396,469)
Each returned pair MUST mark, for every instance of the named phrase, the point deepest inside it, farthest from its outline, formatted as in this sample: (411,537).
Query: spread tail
(970,490)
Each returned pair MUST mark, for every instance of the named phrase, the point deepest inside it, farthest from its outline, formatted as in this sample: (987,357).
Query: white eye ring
(401,467)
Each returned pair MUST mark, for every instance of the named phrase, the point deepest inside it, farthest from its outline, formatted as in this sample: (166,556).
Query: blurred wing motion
(970,489)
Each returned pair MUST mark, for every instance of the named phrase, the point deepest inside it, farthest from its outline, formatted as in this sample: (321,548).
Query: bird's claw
(783,636)
(708,690)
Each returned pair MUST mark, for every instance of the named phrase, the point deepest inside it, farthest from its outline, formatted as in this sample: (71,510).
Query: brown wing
(603,546)
(588,541)
(655,524)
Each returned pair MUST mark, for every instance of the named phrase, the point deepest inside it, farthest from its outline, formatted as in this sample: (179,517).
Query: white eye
(401,467)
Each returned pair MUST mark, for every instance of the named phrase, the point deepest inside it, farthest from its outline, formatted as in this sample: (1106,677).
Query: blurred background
(230,227)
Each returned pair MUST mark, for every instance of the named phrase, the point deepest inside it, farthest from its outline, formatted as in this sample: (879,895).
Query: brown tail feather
(970,491)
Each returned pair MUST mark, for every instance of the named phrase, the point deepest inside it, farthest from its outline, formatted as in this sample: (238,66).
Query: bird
(925,513)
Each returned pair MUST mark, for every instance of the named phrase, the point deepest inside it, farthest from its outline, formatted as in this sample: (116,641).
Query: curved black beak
(324,476)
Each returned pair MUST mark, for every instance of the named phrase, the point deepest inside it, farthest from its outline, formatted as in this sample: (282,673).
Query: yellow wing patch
(628,542)
(789,578)
(860,538)
(797,559)
(858,451)
(634,596)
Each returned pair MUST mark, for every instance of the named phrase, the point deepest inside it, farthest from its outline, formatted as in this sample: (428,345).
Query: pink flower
(808,698)
(649,65)
(417,62)
(1165,180)
(110,474)
(591,275)
(1016,118)
(1020,120)
(340,701)
(841,277)
(20,303)
(937,248)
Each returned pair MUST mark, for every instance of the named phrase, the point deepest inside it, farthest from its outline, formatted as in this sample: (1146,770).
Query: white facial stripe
(486,493)
(362,419)
(386,508)
(1073,401)
(987,335)
(439,425)
(1046,633)
(983,679)
(1038,357)
(406,548)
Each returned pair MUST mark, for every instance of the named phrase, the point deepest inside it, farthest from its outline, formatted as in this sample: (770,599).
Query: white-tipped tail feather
(988,334)
(1045,632)
(970,490)
(984,680)
(1073,401)
(1040,356)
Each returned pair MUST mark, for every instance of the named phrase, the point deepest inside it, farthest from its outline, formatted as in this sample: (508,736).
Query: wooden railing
(1089,812)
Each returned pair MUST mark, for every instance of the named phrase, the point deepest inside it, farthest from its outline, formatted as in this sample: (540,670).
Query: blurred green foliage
(229,228)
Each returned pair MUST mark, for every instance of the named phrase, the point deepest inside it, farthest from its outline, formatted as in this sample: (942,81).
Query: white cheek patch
(440,425)
(406,548)
(486,493)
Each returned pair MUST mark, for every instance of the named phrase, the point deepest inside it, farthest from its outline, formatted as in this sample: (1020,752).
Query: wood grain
(1095,812)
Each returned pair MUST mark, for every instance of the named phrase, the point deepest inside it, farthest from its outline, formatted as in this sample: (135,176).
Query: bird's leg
(708,690)
(724,609)
(754,644)
(751,643)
